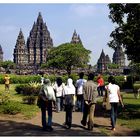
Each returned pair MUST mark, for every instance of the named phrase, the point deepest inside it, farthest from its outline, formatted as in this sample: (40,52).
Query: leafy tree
(126,33)
(7,64)
(67,56)
(113,66)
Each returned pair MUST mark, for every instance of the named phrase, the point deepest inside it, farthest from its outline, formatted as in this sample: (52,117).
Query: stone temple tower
(38,42)
(76,38)
(20,51)
(1,54)
(102,62)
(119,57)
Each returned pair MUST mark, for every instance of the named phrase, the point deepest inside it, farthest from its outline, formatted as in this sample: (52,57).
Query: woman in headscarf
(47,96)
(69,93)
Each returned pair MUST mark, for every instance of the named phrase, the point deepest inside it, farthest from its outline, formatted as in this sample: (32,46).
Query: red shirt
(100,82)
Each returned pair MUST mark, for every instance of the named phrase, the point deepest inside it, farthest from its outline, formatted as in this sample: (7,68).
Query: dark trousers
(88,113)
(68,119)
(113,114)
(100,90)
(80,102)
(47,106)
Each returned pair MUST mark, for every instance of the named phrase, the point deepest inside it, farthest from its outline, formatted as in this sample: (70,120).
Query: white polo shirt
(113,92)
(79,85)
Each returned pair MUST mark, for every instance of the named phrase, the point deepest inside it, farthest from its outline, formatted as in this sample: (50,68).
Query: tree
(113,66)
(126,34)
(67,56)
(7,64)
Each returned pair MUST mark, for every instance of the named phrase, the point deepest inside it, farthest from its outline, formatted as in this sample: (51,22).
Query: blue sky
(90,21)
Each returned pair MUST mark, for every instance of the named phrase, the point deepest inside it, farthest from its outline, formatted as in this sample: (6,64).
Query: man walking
(79,92)
(90,94)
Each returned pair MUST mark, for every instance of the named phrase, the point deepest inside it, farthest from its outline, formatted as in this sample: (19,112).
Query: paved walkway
(10,126)
(15,125)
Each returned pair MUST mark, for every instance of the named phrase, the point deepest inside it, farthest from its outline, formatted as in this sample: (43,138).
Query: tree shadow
(13,128)
(101,112)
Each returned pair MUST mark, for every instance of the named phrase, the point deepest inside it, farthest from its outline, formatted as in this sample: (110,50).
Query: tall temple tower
(76,38)
(119,57)
(102,62)
(20,51)
(1,54)
(38,42)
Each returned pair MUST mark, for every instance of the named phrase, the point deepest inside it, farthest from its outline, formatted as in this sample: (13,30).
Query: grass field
(129,116)
(28,111)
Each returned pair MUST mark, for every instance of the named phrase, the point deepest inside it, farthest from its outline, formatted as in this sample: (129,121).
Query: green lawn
(130,115)
(28,111)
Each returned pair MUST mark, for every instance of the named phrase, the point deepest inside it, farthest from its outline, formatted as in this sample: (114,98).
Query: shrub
(4,98)
(137,82)
(20,88)
(12,108)
(136,86)
(29,99)
(28,89)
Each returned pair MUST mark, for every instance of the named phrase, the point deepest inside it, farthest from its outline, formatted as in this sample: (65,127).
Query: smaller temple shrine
(102,62)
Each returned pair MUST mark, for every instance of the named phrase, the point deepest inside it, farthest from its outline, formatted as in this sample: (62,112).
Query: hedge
(24,79)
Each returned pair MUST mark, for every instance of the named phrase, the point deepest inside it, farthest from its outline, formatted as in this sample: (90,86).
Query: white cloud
(83,10)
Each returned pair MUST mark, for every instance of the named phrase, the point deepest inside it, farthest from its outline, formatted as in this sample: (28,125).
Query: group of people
(61,95)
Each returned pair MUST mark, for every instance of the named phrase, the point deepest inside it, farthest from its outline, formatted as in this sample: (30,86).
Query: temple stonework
(20,51)
(76,38)
(119,57)
(102,62)
(38,43)
(1,54)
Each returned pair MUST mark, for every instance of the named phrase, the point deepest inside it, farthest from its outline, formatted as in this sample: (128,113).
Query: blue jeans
(113,114)
(43,112)
(80,102)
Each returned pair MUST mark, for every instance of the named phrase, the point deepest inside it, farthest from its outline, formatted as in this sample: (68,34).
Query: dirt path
(16,126)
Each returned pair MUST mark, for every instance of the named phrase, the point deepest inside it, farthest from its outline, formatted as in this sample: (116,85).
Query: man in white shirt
(79,91)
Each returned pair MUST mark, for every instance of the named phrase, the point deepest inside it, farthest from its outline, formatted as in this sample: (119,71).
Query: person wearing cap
(47,96)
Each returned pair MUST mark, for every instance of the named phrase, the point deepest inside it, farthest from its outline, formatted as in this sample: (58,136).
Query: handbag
(106,103)
(39,102)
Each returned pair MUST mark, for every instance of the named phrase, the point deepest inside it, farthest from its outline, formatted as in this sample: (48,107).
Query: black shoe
(84,124)
(44,128)
(49,128)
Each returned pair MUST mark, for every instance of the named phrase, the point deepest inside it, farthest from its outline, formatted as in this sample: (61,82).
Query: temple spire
(39,42)
(76,38)
(20,51)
